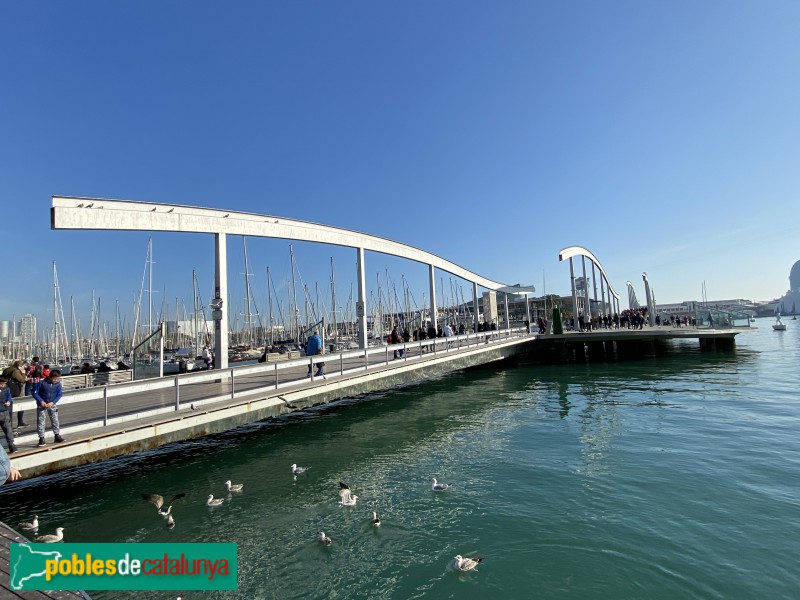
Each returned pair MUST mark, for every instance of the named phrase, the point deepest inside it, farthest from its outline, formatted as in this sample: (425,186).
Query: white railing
(269,375)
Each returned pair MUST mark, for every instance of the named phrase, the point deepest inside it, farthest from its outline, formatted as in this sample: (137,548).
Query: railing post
(387,354)
(311,367)
(341,363)
(405,352)
(233,389)
(276,376)
(105,401)
(177,393)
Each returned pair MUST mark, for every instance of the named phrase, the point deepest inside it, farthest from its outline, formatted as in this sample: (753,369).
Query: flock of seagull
(33,527)
(346,498)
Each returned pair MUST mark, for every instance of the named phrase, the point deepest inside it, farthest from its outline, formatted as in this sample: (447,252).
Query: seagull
(349,500)
(214,501)
(324,539)
(375,520)
(234,487)
(50,539)
(466,564)
(163,509)
(439,487)
(298,470)
(344,489)
(32,525)
(170,522)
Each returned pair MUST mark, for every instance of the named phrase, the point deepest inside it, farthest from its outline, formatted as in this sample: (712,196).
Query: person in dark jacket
(47,394)
(87,369)
(314,347)
(16,384)
(103,368)
(6,406)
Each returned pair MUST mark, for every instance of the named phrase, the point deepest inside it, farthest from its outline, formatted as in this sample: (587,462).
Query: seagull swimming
(375,520)
(163,509)
(324,539)
(49,539)
(466,564)
(214,501)
(439,487)
(32,525)
(344,489)
(234,487)
(170,522)
(298,470)
(349,500)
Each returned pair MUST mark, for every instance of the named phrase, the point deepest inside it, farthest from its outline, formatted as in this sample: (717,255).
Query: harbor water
(665,477)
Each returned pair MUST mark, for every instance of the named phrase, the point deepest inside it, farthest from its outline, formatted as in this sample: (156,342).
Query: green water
(669,478)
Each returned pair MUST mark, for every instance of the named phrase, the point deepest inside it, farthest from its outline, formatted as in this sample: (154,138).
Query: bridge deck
(106,422)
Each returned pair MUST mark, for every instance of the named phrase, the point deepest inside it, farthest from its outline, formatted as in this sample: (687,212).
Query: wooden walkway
(7,537)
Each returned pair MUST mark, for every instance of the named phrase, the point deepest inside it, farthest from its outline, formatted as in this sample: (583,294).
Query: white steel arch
(69,212)
(605,285)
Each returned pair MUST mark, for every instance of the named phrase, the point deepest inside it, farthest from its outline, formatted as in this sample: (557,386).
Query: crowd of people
(36,380)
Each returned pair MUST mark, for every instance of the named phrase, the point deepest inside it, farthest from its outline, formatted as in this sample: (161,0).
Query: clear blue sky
(664,137)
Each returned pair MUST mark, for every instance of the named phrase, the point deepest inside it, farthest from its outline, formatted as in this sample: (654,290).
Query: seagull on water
(466,564)
(170,522)
(375,520)
(32,525)
(298,470)
(158,501)
(439,487)
(324,539)
(214,501)
(344,489)
(234,487)
(349,500)
(50,539)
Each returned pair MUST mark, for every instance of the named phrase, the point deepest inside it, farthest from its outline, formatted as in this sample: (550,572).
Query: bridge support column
(432,286)
(221,292)
(574,293)
(361,304)
(475,307)
(508,321)
(587,306)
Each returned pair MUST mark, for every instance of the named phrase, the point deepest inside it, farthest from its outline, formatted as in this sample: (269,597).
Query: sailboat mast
(333,303)
(269,300)
(150,285)
(196,329)
(55,313)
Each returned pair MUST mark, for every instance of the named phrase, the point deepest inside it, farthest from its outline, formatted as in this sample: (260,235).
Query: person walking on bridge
(16,384)
(314,347)
(47,393)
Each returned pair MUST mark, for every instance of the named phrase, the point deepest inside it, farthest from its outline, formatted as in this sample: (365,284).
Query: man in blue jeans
(47,393)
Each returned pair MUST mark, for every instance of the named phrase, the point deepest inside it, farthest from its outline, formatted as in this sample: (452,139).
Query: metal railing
(119,404)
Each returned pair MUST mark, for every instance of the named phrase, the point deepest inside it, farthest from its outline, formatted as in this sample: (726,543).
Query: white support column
(587,306)
(574,293)
(650,308)
(508,321)
(594,285)
(605,309)
(432,286)
(221,293)
(361,304)
(475,306)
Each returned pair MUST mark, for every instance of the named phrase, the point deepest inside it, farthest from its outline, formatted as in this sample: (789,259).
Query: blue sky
(664,137)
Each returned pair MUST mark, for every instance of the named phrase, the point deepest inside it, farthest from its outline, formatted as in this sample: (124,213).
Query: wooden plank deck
(7,537)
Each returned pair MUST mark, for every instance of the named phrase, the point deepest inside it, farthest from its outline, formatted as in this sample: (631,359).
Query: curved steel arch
(95,213)
(571,251)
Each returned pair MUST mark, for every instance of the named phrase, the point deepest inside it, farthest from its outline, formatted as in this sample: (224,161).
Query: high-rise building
(6,331)
(27,330)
